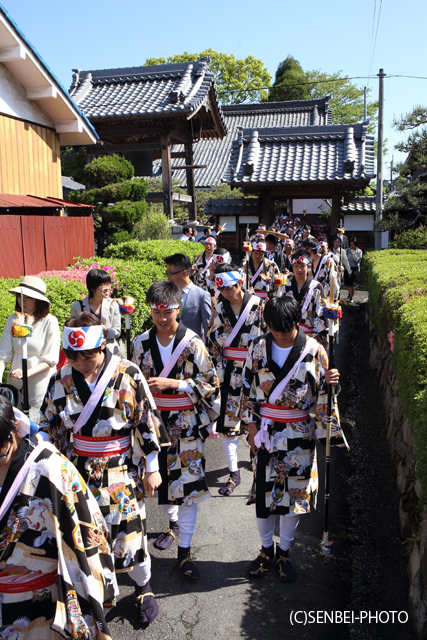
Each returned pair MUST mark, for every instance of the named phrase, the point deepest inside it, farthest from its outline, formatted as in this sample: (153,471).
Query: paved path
(225,604)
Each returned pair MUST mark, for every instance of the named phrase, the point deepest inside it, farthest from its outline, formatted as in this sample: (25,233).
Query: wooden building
(143,111)
(37,117)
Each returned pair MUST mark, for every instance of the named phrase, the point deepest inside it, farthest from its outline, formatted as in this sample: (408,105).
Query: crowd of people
(234,351)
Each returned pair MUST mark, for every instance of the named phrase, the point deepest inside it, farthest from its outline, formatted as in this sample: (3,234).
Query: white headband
(289,241)
(221,258)
(164,305)
(227,279)
(259,246)
(82,338)
(302,260)
(210,240)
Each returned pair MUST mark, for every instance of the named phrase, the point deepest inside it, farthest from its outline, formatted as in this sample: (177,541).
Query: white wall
(13,101)
(311,206)
(358,222)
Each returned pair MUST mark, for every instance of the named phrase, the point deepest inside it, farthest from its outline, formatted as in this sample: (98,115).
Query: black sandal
(259,566)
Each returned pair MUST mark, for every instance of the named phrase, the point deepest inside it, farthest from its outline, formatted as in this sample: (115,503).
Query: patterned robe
(326,274)
(116,481)
(201,271)
(182,464)
(286,476)
(54,526)
(230,371)
(312,317)
(270,270)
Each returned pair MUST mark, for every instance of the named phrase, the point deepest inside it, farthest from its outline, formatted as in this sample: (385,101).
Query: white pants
(141,572)
(230,446)
(186,517)
(288,525)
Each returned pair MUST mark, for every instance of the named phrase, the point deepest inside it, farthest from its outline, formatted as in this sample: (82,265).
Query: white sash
(308,297)
(260,268)
(239,322)
(176,353)
(320,265)
(22,474)
(282,385)
(96,395)
(207,265)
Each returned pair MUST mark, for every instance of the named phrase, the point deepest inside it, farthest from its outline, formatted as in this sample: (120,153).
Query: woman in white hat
(43,345)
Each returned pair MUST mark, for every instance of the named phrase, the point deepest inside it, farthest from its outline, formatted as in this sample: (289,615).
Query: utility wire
(300,84)
(376,34)
(372,41)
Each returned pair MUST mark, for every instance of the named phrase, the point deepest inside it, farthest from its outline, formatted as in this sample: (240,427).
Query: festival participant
(185,387)
(201,262)
(289,248)
(101,304)
(97,410)
(341,234)
(207,233)
(237,319)
(261,270)
(196,304)
(309,294)
(283,379)
(274,253)
(220,256)
(323,266)
(56,566)
(340,257)
(303,234)
(354,255)
(43,344)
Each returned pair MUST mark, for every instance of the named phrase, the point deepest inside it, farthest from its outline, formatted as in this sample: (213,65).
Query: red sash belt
(235,353)
(261,294)
(307,329)
(172,402)
(23,583)
(101,447)
(283,414)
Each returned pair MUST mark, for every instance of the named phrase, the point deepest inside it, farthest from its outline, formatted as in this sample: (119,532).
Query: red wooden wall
(31,244)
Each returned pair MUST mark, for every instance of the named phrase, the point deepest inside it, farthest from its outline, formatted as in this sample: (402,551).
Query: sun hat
(32,287)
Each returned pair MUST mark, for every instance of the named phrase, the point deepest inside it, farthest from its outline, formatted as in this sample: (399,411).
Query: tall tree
(238,80)
(289,83)
(346,98)
(410,207)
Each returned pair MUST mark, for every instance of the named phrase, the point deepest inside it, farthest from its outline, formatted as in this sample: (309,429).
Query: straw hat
(32,287)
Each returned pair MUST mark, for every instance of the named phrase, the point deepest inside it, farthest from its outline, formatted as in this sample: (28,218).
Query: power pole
(391,174)
(379,199)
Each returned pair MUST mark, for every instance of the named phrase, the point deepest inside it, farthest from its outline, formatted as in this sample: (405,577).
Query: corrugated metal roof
(8,201)
(216,153)
(301,154)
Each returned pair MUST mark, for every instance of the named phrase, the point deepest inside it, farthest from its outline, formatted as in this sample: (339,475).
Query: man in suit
(196,303)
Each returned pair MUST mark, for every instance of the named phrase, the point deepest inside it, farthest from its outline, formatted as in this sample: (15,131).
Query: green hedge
(154,250)
(143,267)
(398,302)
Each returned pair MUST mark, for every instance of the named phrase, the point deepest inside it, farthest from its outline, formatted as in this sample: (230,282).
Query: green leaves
(107,170)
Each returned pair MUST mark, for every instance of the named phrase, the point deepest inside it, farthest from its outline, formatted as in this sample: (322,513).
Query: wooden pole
(165,143)
(379,197)
(191,184)
(24,365)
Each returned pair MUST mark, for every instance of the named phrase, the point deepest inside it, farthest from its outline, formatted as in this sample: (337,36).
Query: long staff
(25,364)
(332,314)
(127,320)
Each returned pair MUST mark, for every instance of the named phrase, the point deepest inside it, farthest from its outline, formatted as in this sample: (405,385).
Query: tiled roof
(159,90)
(301,154)
(215,154)
(360,204)
(232,207)
(9,201)
(71,184)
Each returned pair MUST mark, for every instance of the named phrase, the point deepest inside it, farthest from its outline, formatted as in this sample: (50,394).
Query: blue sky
(331,35)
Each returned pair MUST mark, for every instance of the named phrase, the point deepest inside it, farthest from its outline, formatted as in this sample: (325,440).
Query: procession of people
(236,351)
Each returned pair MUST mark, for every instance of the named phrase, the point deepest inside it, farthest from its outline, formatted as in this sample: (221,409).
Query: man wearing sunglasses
(196,303)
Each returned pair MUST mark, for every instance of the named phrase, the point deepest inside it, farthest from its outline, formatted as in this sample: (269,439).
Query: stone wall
(400,439)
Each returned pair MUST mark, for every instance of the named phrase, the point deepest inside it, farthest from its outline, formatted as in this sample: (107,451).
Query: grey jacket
(197,310)
(110,317)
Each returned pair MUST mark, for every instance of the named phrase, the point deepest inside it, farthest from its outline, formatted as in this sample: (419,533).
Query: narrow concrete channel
(366,572)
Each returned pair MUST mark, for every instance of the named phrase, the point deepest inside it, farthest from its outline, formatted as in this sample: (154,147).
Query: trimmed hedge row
(397,284)
(143,268)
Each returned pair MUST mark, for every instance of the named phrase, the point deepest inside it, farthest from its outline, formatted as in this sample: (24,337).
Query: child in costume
(97,412)
(185,387)
(284,380)
(237,320)
(262,271)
